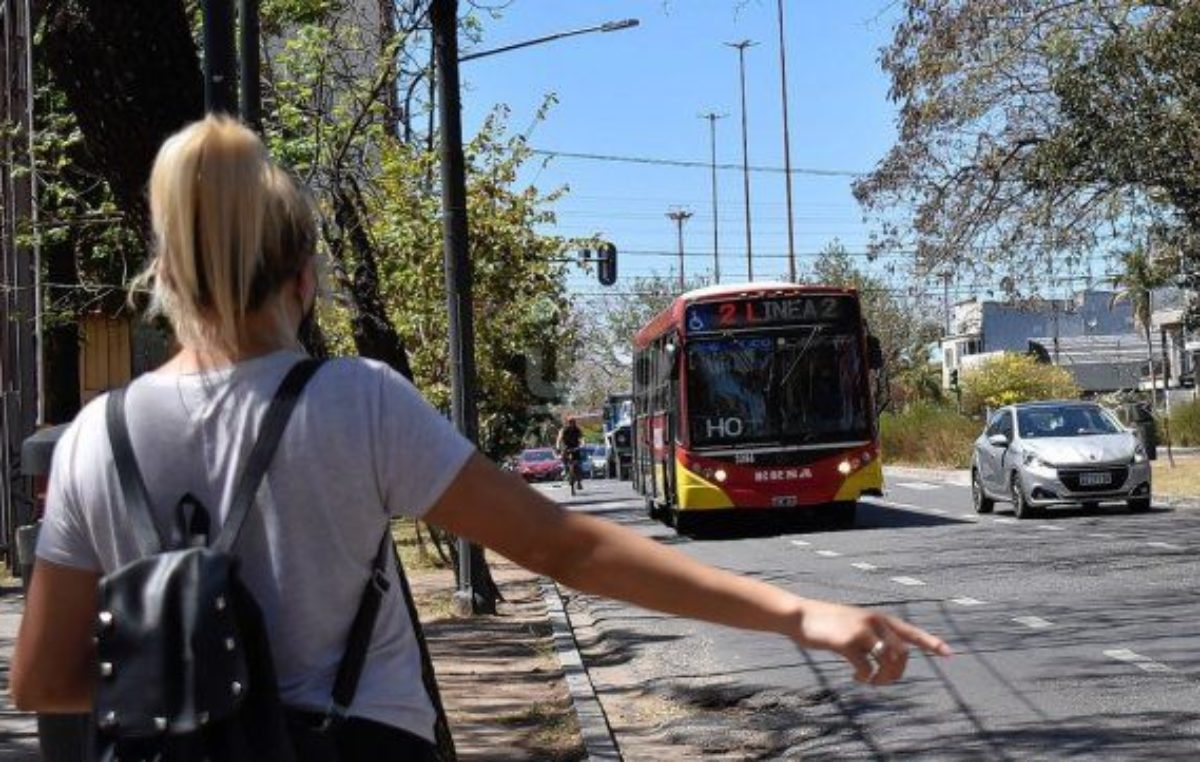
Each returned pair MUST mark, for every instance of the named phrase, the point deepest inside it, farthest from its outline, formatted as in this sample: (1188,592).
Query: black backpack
(185,669)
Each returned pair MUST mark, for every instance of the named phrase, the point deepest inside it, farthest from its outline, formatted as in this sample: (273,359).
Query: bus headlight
(844,468)
(720,475)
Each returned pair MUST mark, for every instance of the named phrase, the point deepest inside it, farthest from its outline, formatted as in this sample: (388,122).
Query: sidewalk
(500,677)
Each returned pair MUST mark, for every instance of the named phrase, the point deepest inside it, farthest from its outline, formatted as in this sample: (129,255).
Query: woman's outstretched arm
(500,511)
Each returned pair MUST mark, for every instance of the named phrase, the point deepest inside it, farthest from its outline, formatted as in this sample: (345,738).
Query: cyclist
(570,440)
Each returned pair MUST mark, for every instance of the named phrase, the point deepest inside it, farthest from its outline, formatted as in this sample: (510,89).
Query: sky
(640,92)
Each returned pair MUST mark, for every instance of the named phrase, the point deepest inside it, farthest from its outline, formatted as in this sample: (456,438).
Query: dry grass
(1181,481)
(928,435)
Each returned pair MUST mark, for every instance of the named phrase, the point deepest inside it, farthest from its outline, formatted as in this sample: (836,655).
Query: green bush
(1010,378)
(1185,424)
(925,434)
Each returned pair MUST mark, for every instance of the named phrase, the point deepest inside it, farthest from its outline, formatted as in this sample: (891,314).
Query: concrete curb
(598,737)
(959,477)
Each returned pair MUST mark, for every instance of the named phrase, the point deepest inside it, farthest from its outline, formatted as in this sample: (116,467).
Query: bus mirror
(874,353)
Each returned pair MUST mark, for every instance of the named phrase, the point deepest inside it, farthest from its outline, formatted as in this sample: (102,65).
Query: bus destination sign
(758,313)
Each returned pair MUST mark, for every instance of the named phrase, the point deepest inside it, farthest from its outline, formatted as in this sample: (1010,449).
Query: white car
(1034,455)
(598,459)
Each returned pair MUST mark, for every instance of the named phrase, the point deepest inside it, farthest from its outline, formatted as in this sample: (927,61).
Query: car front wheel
(1139,505)
(983,503)
(1021,506)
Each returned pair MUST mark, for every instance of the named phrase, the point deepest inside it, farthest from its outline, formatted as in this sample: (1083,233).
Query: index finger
(919,638)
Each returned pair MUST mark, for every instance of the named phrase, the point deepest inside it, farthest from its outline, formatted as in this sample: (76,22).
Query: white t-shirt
(361,446)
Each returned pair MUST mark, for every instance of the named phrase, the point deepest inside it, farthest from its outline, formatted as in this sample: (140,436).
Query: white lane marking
(1033,622)
(1004,520)
(864,566)
(1165,545)
(1144,663)
(800,543)
(967,601)
(918,485)
(896,504)
(968,517)
(938,511)
(1051,528)
(1101,535)
(910,581)
(828,553)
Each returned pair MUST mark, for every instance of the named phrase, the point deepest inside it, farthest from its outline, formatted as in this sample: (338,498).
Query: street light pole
(608,26)
(251,92)
(741,49)
(444,20)
(680,216)
(712,118)
(787,149)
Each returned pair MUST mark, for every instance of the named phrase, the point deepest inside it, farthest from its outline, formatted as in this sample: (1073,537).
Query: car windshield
(804,387)
(599,451)
(1065,421)
(534,456)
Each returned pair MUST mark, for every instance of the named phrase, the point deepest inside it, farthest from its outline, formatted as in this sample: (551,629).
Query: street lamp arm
(608,26)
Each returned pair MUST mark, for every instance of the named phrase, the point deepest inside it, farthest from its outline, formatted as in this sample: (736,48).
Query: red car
(539,465)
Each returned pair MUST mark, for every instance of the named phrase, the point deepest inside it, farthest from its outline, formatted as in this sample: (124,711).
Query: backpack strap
(274,423)
(133,488)
(358,642)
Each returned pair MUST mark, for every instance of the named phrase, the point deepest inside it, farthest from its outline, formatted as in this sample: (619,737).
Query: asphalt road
(1077,635)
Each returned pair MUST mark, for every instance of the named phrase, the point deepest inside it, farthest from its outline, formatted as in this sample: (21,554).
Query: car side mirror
(874,353)
(998,440)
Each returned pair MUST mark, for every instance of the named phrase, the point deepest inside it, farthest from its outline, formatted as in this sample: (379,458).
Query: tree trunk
(62,338)
(131,75)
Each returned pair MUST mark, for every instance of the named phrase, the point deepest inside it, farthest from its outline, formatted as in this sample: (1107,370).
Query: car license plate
(1095,479)
(787,501)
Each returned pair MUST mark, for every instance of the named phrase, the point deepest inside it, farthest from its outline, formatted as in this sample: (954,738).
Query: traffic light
(606,264)
(954,378)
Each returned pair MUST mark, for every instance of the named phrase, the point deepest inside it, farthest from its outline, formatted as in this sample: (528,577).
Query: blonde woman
(234,273)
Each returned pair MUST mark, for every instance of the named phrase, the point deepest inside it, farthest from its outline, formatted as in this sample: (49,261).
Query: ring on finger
(876,652)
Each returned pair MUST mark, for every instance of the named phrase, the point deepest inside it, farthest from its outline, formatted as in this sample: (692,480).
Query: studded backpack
(185,669)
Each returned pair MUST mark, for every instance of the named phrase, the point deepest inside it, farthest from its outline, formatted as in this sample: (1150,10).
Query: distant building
(1099,364)
(984,328)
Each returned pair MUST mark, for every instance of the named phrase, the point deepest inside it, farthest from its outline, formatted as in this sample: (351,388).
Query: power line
(685,164)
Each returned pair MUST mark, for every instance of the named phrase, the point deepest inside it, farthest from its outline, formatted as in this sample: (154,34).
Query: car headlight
(1139,454)
(1036,462)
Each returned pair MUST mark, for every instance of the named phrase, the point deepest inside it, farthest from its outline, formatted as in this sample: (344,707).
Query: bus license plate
(1095,479)
(787,501)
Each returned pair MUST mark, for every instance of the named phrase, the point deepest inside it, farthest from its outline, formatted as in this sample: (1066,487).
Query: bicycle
(572,469)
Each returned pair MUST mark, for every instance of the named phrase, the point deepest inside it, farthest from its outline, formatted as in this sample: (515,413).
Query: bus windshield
(806,387)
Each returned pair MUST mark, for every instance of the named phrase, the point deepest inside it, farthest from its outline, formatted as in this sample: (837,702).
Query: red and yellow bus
(756,397)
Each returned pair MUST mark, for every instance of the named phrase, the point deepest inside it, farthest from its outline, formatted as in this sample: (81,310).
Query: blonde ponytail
(230,228)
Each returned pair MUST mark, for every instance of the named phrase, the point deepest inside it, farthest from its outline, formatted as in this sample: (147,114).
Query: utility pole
(680,216)
(712,118)
(220,57)
(946,276)
(443,16)
(787,149)
(741,49)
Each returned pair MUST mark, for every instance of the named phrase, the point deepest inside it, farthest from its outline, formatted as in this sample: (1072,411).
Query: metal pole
(712,118)
(39,348)
(251,92)
(680,216)
(787,149)
(444,20)
(220,71)
(741,49)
